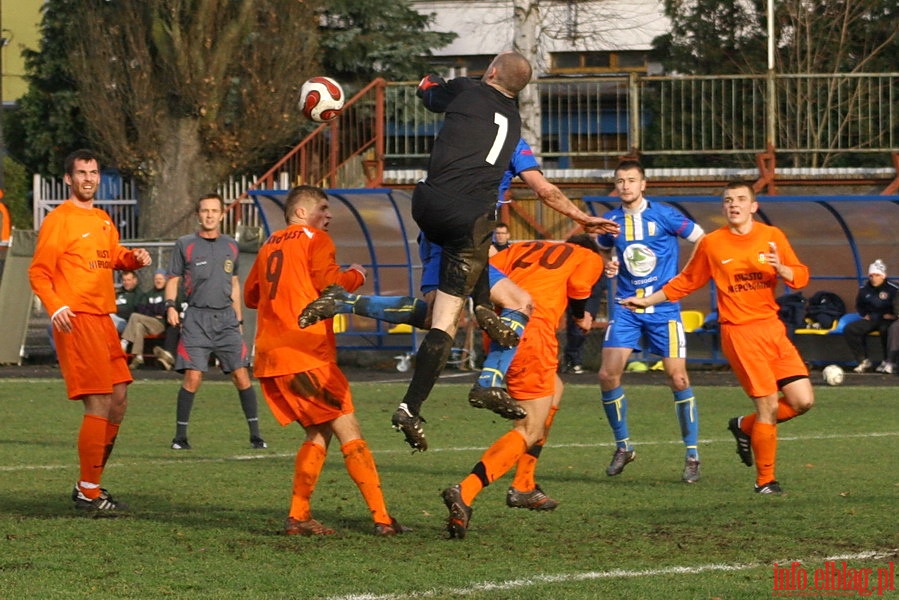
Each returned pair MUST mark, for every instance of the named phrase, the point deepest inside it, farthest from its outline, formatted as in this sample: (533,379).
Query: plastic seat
(817,331)
(844,320)
(692,320)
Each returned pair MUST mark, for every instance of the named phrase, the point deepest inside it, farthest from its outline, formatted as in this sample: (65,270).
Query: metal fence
(119,198)
(586,123)
(815,120)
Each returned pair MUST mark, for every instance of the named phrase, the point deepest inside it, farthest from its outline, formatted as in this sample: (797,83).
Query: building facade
(571,38)
(19,29)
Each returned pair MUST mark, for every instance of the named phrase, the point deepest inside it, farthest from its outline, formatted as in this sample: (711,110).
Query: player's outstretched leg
(390,309)
(323,307)
(498,331)
(429,362)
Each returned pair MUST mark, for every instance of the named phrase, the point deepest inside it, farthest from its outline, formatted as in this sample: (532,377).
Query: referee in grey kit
(205,265)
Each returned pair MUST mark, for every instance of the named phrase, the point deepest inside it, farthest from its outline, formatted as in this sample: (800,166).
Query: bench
(826,346)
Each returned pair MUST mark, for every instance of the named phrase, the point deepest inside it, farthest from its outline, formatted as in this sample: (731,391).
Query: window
(462,66)
(598,62)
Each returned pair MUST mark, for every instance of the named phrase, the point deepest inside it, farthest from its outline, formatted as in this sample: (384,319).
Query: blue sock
(688,417)
(614,402)
(493,373)
(391,309)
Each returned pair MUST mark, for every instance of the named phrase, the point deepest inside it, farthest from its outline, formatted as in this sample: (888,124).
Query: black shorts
(463,229)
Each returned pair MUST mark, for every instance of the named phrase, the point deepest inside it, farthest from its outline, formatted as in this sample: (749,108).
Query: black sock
(182,417)
(429,362)
(250,409)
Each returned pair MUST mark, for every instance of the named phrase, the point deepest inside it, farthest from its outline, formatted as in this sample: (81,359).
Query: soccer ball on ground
(321,99)
(833,375)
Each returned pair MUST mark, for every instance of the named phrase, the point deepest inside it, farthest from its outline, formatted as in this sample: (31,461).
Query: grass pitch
(206,521)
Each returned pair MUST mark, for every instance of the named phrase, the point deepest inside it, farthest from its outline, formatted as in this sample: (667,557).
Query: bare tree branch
(183,93)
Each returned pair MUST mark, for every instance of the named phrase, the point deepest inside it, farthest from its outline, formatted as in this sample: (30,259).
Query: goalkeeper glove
(427,82)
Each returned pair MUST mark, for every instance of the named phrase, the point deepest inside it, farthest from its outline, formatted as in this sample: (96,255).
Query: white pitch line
(593,575)
(265,456)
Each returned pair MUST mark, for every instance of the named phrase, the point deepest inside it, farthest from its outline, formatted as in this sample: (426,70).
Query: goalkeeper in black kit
(454,206)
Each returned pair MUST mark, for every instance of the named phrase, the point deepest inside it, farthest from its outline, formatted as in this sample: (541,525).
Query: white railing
(118,197)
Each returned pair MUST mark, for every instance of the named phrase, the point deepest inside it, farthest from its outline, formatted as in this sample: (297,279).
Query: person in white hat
(874,303)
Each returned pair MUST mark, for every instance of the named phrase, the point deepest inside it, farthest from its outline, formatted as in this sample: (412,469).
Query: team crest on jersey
(229,266)
(640,259)
(762,258)
(651,228)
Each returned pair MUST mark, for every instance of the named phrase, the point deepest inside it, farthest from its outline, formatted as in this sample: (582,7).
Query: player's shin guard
(92,448)
(429,362)
(493,372)
(614,402)
(361,466)
(307,468)
(391,309)
(688,418)
(764,447)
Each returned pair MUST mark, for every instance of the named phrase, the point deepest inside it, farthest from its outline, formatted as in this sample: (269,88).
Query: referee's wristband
(170,304)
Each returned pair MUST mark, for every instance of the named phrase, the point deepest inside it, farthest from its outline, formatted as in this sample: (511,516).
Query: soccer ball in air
(833,375)
(321,99)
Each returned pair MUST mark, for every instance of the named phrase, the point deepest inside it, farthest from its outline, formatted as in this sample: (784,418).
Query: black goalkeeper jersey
(473,149)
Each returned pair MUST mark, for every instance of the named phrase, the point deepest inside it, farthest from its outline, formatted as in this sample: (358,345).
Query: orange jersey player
(556,276)
(745,259)
(71,272)
(297,368)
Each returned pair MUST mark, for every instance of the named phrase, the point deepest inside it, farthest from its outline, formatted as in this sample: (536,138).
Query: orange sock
(360,464)
(785,412)
(494,463)
(764,447)
(307,467)
(525,471)
(91,453)
(112,431)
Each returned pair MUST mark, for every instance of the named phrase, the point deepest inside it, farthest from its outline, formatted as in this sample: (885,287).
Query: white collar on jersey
(640,208)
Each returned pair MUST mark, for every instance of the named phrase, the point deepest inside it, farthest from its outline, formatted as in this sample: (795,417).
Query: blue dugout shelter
(836,235)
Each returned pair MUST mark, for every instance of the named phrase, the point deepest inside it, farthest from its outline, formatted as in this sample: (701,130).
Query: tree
(16,193)
(712,37)
(812,37)
(182,94)
(365,39)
